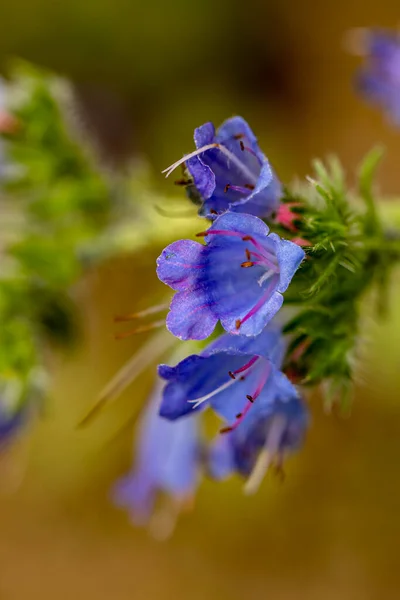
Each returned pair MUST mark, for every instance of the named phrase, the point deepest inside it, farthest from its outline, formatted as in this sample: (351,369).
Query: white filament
(267,454)
(222,387)
(251,177)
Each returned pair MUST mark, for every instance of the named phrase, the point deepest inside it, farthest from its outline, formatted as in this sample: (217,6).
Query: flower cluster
(313,250)
(237,278)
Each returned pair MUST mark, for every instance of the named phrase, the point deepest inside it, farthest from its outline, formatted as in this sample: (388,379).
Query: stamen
(234,159)
(197,401)
(247,366)
(237,188)
(220,232)
(181,161)
(256,307)
(267,455)
(266,256)
(253,398)
(250,150)
(144,328)
(267,259)
(143,313)
(258,473)
(225,430)
(263,381)
(249,238)
(267,275)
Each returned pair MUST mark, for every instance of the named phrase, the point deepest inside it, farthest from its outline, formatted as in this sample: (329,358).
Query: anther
(202,234)
(247,263)
(248,254)
(239,415)
(213,212)
(238,136)
(241,146)
(242,378)
(226,188)
(226,429)
(249,186)
(250,398)
(238,323)
(247,238)
(231,375)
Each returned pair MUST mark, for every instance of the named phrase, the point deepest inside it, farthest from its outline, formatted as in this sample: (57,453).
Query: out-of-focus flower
(229,375)
(167,460)
(10,423)
(379,80)
(274,428)
(229,171)
(238,277)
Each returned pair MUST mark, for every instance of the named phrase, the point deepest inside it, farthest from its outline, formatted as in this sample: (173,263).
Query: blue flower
(167,459)
(230,172)
(274,428)
(238,277)
(379,81)
(229,375)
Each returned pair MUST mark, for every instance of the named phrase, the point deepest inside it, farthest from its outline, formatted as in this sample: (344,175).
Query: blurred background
(146,74)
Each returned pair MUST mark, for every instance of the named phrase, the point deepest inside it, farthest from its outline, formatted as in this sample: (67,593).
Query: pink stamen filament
(251,152)
(267,257)
(249,403)
(257,306)
(238,188)
(237,162)
(249,364)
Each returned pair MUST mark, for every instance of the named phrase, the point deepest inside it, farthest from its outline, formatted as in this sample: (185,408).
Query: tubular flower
(379,80)
(167,459)
(229,171)
(237,277)
(275,428)
(229,375)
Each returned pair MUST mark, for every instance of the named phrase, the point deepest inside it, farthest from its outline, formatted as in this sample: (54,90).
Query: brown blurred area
(147,74)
